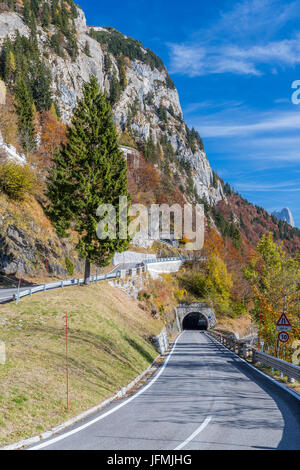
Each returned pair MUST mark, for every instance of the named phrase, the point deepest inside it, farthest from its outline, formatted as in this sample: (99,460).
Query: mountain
(238,219)
(145,101)
(47,52)
(286,215)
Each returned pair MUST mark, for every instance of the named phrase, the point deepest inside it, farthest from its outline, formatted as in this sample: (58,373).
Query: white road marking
(99,418)
(192,436)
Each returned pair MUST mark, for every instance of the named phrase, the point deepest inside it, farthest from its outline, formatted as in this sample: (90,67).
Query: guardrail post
(62,284)
(44,287)
(123,274)
(30,292)
(245,351)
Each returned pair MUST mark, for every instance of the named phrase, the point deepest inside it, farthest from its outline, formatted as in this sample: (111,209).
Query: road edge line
(121,393)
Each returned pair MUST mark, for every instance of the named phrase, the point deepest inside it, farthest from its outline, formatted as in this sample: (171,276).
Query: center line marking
(192,436)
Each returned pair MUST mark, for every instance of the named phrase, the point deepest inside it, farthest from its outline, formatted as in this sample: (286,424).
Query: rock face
(9,152)
(146,92)
(285,215)
(27,240)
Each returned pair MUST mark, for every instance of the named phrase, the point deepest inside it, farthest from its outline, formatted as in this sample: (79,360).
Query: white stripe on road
(192,436)
(99,418)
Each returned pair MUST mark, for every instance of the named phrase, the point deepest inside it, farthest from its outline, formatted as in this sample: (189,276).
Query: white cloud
(266,122)
(240,42)
(289,186)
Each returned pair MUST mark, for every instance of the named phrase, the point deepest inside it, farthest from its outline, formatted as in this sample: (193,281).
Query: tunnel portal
(195,321)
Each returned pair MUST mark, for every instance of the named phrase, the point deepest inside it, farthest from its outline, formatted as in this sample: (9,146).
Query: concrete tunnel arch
(202,316)
(195,321)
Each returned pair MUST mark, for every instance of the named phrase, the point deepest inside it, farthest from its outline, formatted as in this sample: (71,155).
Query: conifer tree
(24,107)
(90,170)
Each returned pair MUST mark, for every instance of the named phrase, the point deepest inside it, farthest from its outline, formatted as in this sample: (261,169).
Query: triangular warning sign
(283,321)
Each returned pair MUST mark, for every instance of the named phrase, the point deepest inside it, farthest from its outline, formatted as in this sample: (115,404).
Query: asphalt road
(8,294)
(203,398)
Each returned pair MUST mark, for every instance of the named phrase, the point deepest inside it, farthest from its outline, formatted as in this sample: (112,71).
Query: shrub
(69,266)
(17,180)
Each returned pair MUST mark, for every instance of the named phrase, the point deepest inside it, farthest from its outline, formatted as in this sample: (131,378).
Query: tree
(25,111)
(52,135)
(41,87)
(275,280)
(87,49)
(90,170)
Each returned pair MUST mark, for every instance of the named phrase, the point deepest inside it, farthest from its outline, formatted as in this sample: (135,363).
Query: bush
(69,266)
(17,180)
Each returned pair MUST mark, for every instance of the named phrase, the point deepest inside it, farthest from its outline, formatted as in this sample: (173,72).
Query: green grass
(109,345)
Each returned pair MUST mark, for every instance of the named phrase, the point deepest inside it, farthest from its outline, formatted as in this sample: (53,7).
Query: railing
(75,282)
(174,258)
(61,284)
(251,354)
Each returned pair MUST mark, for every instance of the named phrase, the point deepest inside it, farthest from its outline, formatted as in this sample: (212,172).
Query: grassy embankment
(108,347)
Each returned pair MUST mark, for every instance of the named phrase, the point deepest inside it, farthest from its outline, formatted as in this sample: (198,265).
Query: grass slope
(108,347)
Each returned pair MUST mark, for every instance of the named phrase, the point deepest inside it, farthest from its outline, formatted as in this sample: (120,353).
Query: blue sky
(233,63)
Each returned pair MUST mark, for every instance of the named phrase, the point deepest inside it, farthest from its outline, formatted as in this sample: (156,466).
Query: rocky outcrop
(147,91)
(286,215)
(9,152)
(28,242)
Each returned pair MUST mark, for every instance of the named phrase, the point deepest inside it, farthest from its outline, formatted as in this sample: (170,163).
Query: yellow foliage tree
(275,280)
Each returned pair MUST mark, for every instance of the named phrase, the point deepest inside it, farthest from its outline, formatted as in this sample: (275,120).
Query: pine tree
(90,170)
(115,89)
(46,15)
(87,49)
(25,113)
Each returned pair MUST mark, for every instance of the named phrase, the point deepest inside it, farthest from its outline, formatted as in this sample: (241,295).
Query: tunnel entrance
(195,321)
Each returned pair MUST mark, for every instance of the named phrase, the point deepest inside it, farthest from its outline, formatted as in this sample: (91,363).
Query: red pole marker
(67,356)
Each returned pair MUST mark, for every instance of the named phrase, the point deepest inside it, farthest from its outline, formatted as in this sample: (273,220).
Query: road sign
(283,324)
(283,336)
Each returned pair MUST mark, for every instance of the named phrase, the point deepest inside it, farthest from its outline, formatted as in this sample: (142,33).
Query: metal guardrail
(163,260)
(61,284)
(290,370)
(174,258)
(80,281)
(251,354)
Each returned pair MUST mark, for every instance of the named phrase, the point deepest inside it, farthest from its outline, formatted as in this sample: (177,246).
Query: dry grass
(240,325)
(108,346)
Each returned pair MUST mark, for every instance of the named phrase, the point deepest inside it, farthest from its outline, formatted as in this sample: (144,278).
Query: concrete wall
(131,257)
(155,269)
(161,341)
(184,309)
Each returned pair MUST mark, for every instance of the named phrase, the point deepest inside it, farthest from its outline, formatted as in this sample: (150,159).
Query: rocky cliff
(286,215)
(146,104)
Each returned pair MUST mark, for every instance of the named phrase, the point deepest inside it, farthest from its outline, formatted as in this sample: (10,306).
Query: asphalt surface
(8,294)
(204,397)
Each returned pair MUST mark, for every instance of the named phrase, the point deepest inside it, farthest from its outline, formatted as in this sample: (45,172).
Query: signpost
(283,325)
(283,336)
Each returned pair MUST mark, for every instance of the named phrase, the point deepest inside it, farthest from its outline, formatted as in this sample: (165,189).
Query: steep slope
(145,102)
(53,49)
(253,221)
